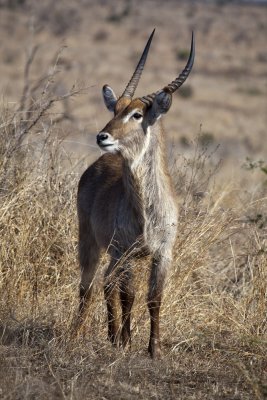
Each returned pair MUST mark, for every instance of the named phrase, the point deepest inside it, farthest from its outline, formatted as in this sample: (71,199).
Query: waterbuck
(127,204)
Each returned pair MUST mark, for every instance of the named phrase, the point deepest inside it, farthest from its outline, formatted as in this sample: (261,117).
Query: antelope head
(128,132)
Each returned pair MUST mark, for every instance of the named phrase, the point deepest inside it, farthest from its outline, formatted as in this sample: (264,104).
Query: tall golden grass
(213,318)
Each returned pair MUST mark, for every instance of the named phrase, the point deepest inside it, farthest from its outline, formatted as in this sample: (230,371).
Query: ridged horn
(174,85)
(132,85)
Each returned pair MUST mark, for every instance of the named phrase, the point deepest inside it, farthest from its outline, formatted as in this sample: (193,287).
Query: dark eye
(137,116)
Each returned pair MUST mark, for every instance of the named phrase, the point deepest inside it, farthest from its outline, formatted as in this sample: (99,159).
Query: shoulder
(108,163)
(108,166)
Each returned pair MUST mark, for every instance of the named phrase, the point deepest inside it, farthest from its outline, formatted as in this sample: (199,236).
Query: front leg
(156,283)
(127,295)
(111,297)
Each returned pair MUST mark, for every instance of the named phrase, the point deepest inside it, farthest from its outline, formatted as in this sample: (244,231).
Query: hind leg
(89,254)
(89,258)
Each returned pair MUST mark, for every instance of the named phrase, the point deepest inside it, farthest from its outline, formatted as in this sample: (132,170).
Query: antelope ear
(161,104)
(110,98)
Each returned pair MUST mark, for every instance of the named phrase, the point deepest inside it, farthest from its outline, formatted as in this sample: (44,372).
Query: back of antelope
(127,204)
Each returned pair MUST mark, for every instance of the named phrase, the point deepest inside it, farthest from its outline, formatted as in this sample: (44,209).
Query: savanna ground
(213,319)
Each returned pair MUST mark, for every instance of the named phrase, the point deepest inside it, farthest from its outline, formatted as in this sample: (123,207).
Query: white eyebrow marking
(128,116)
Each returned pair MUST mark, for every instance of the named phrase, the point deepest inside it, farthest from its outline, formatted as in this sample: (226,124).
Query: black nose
(101,137)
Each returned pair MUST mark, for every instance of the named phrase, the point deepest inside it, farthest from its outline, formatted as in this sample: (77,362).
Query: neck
(146,179)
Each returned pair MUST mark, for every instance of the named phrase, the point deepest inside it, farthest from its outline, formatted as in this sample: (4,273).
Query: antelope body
(127,205)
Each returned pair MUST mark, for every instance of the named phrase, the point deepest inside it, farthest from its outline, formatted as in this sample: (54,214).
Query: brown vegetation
(213,317)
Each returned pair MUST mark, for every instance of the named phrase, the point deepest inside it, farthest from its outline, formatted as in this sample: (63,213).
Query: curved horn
(132,85)
(174,85)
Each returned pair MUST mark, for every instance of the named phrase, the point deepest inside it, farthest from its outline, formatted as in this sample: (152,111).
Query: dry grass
(213,319)
(214,313)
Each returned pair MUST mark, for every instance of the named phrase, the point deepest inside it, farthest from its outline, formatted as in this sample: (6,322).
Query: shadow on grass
(27,333)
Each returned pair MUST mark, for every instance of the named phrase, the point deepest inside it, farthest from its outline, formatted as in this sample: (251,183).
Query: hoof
(155,350)
(114,340)
(125,340)
(77,328)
